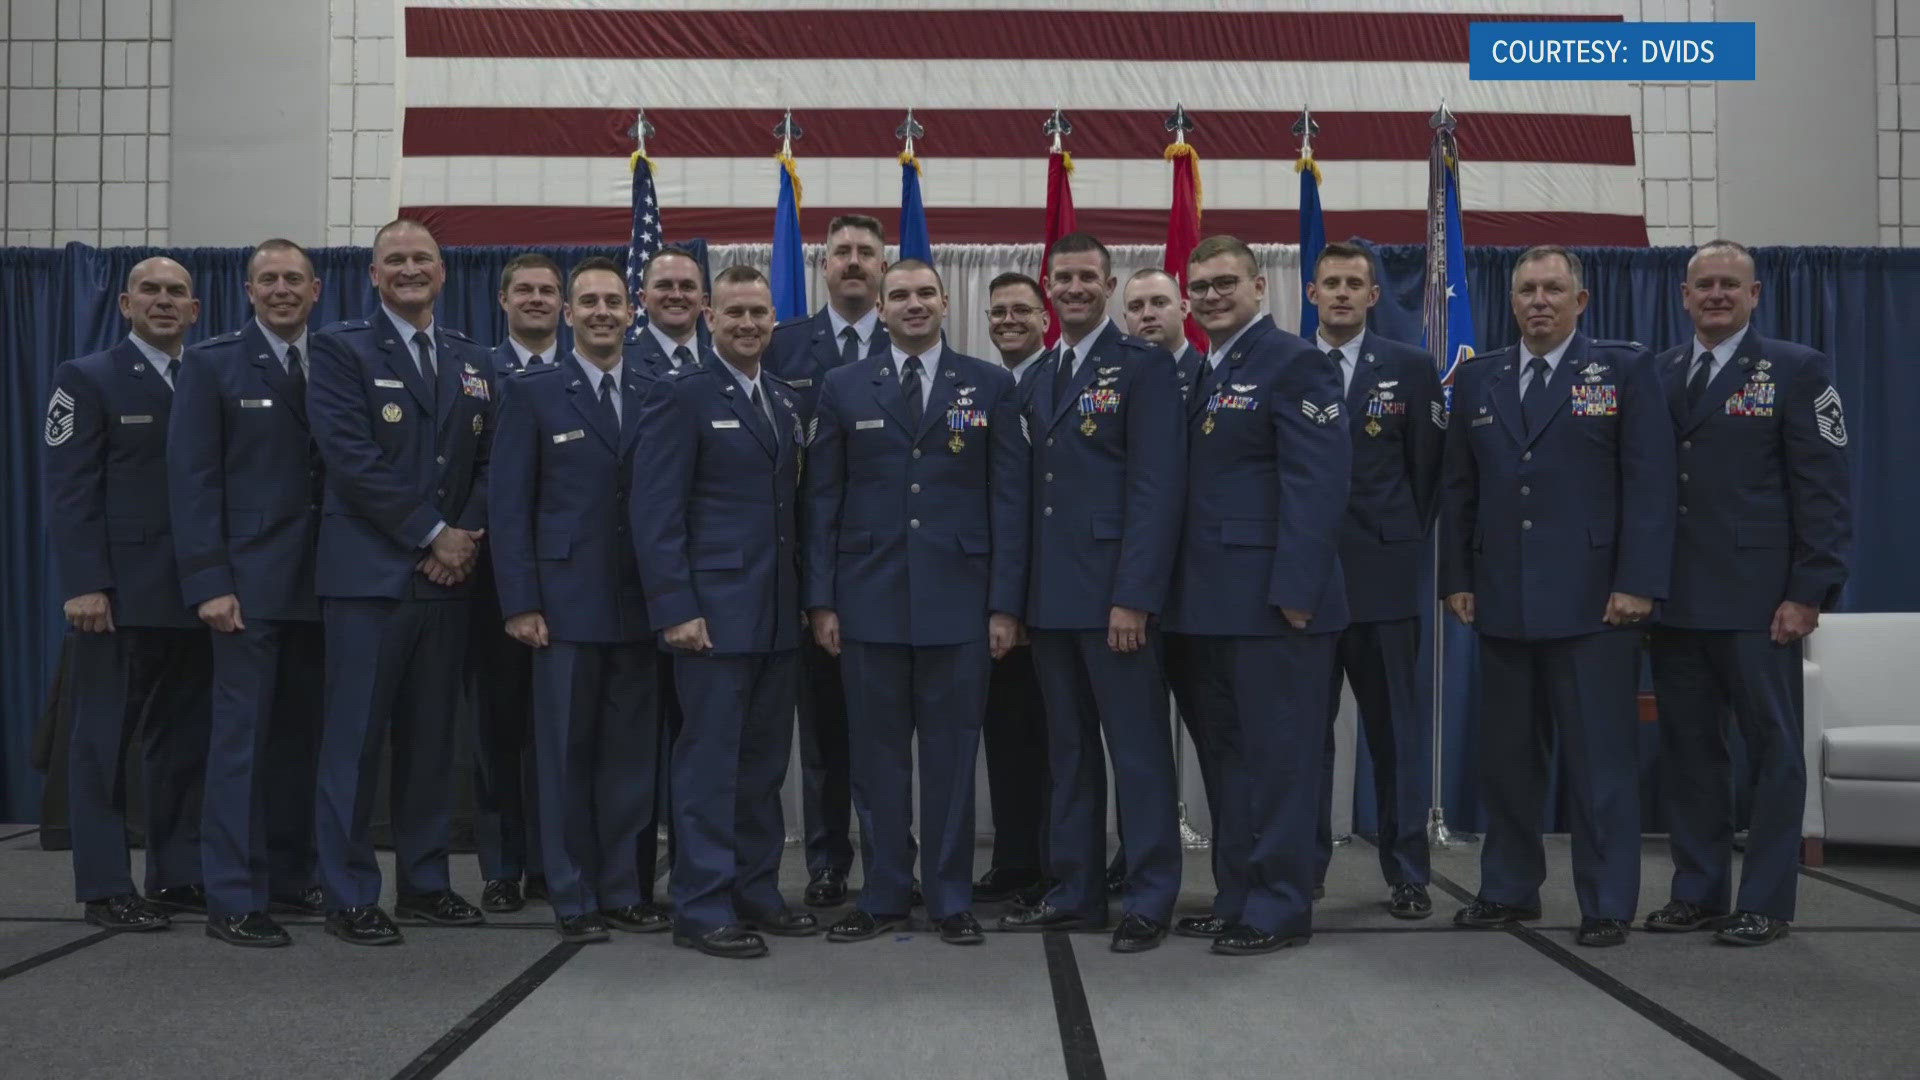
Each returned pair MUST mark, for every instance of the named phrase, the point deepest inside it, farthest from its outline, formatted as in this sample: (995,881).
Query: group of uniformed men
(285,553)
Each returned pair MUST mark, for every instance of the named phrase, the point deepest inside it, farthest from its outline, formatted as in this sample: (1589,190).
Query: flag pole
(1440,160)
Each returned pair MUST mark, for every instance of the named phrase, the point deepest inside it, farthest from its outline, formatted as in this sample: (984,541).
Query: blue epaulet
(346,325)
(458,335)
(218,340)
(797,320)
(1617,343)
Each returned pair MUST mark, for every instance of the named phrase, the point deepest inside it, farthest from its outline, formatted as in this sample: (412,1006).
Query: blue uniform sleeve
(825,485)
(197,484)
(337,411)
(76,480)
(657,510)
(1315,467)
(511,510)
(1815,433)
(1156,486)
(1649,483)
(1009,489)
(1459,489)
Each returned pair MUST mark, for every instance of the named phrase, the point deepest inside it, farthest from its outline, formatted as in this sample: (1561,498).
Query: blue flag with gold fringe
(789,276)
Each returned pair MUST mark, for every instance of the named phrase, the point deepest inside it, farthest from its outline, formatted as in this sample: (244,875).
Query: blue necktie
(1702,375)
(910,388)
(1536,405)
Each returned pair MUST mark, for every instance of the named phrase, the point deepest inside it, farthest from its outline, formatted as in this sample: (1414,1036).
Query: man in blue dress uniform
(1396,417)
(714,529)
(1558,504)
(1109,475)
(402,410)
(845,330)
(138,651)
(1760,549)
(244,478)
(915,576)
(506,830)
(558,513)
(1258,592)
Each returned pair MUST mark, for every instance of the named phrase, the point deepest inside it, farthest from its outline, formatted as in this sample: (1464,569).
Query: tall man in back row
(1259,596)
(1396,419)
(1109,476)
(845,331)
(402,410)
(1558,496)
(1760,550)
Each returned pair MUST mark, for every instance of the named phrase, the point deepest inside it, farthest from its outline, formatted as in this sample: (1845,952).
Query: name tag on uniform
(726,425)
(389,384)
(256,403)
(569,436)
(1481,420)
(868,425)
(136,419)
(799,383)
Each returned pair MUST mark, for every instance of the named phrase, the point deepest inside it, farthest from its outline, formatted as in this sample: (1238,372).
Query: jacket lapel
(274,378)
(151,386)
(632,393)
(939,396)
(886,390)
(1366,376)
(451,371)
(581,397)
(785,423)
(400,362)
(1083,374)
(1673,379)
(1732,375)
(1560,383)
(1505,392)
(742,408)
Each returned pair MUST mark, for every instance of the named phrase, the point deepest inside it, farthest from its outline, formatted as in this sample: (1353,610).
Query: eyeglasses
(1018,311)
(1221,286)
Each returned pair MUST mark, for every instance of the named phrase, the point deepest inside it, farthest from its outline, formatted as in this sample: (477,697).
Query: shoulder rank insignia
(59,417)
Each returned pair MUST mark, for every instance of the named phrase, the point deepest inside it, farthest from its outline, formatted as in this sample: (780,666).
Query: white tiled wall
(1896,32)
(363,140)
(1675,139)
(87,116)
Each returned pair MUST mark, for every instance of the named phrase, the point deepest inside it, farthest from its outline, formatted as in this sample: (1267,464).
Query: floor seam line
(56,953)
(1079,1044)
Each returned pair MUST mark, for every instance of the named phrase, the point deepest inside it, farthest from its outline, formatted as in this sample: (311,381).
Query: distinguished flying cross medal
(956,422)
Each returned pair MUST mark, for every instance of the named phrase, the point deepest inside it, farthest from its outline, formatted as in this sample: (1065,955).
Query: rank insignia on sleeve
(1439,413)
(1320,415)
(59,417)
(1826,413)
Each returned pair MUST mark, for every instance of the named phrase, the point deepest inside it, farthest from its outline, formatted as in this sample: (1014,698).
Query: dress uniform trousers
(154,681)
(1015,735)
(506,816)
(1379,660)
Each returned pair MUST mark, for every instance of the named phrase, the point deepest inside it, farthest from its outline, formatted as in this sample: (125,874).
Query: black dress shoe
(1409,901)
(1116,880)
(1048,917)
(1750,928)
(126,912)
(1601,933)
(1001,884)
(1200,926)
(255,930)
(502,895)
(857,925)
(1319,892)
(443,908)
(1487,915)
(1244,940)
(1035,894)
(588,929)
(1680,916)
(961,928)
(728,943)
(536,888)
(189,899)
(641,918)
(308,901)
(1137,933)
(363,925)
(784,923)
(827,888)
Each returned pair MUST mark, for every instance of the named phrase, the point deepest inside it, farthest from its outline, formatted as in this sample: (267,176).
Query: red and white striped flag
(516,114)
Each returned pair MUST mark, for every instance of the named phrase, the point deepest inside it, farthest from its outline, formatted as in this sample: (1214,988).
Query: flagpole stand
(1439,836)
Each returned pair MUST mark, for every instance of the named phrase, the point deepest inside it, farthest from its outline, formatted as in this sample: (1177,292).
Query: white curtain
(967,268)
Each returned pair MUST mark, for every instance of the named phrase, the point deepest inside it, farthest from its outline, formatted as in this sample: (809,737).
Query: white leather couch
(1863,731)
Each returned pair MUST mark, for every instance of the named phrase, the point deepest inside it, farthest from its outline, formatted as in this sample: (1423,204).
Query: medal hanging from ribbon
(1213,406)
(956,423)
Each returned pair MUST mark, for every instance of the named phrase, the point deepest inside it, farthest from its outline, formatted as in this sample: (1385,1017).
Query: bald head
(160,304)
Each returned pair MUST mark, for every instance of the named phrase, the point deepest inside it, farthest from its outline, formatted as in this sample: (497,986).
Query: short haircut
(1146,272)
(530,260)
(1720,245)
(1221,244)
(912,264)
(1079,243)
(404,223)
(1012,278)
(278,244)
(589,265)
(1548,251)
(740,274)
(858,221)
(670,250)
(1340,249)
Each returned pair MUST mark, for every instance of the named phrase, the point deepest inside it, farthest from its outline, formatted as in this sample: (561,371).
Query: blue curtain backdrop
(1860,306)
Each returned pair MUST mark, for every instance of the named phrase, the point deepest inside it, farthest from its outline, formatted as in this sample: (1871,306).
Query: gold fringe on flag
(793,173)
(907,157)
(1306,162)
(1066,161)
(1186,150)
(633,160)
